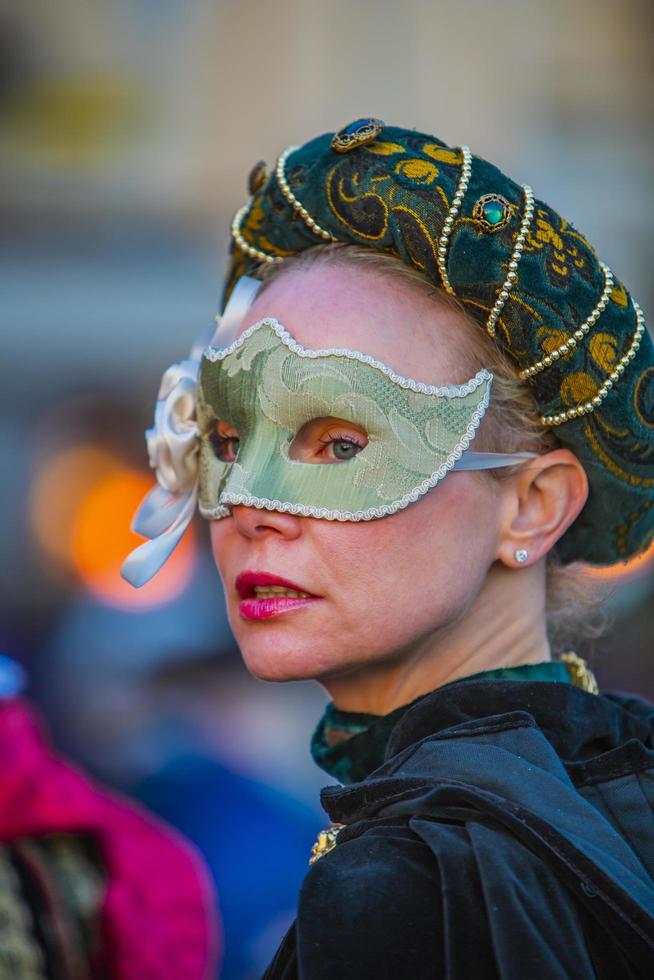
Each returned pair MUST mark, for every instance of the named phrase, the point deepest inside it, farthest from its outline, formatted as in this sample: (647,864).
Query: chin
(275,672)
(267,659)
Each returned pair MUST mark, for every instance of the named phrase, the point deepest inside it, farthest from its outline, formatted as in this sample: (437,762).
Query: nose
(254,523)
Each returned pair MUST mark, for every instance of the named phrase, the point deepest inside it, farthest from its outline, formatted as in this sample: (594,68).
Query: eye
(224,441)
(328,440)
(341,448)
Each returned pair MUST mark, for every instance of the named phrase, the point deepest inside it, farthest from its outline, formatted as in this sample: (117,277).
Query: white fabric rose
(173,447)
(173,440)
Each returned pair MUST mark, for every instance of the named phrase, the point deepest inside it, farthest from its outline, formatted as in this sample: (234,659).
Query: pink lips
(250,607)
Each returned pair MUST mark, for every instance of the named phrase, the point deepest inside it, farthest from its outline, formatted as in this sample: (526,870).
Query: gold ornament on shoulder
(325,842)
(580,673)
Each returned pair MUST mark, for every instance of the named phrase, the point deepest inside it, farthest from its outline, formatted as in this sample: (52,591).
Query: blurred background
(127,131)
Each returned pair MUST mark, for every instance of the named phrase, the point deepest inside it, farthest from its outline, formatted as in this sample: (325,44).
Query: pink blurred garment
(158,914)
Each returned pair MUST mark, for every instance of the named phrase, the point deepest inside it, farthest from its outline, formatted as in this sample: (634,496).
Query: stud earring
(521,555)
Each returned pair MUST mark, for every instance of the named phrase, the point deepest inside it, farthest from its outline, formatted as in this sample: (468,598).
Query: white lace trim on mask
(263,503)
(214,354)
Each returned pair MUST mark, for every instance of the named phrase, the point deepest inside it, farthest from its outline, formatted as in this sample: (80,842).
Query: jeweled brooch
(493,212)
(358,133)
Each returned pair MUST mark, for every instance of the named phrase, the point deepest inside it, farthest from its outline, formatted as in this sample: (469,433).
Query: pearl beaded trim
(585,408)
(570,343)
(443,241)
(254,253)
(257,253)
(292,199)
(512,274)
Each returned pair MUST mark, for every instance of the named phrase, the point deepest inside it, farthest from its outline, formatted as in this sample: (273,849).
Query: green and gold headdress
(574,333)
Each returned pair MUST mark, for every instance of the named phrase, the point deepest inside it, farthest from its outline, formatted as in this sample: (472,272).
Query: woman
(495,817)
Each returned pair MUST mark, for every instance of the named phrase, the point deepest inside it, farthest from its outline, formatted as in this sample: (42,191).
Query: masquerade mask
(284,403)
(275,393)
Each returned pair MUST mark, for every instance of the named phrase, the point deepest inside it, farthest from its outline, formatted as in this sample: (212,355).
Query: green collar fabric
(349,745)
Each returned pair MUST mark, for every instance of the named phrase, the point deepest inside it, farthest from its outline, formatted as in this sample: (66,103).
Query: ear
(541,500)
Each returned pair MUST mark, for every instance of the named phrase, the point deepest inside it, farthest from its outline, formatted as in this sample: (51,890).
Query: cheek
(418,569)
(450,526)
(221,534)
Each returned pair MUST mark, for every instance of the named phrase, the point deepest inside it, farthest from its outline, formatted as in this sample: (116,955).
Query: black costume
(509,833)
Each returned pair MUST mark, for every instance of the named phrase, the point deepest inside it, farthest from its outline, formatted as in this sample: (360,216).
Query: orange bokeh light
(101,540)
(57,491)
(625,570)
(81,506)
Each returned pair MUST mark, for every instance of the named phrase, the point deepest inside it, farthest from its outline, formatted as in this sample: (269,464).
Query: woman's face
(384,587)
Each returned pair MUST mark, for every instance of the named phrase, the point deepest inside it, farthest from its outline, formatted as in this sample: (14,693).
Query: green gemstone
(494,212)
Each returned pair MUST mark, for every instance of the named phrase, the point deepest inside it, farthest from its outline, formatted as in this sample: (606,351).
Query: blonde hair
(573,600)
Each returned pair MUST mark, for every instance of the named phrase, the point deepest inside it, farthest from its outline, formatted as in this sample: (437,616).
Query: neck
(503,626)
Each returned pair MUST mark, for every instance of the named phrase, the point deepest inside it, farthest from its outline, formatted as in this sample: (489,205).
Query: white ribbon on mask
(240,301)
(490,461)
(173,445)
(173,448)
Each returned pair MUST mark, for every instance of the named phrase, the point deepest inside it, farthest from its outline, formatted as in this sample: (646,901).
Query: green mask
(267,386)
